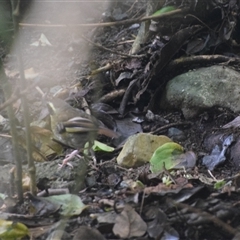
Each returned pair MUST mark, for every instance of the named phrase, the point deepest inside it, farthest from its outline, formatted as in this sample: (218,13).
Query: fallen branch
(108,24)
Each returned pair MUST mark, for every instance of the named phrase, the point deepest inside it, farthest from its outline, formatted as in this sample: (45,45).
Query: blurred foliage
(6,26)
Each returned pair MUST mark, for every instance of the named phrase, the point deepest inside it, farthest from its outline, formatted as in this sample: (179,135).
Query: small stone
(139,149)
(176,135)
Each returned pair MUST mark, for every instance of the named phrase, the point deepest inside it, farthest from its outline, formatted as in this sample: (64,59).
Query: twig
(53,192)
(112,51)
(102,69)
(112,95)
(210,217)
(210,173)
(201,59)
(108,24)
(31,165)
(142,203)
(15,96)
(165,127)
(126,96)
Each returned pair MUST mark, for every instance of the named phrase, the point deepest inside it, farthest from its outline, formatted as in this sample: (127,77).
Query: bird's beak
(51,108)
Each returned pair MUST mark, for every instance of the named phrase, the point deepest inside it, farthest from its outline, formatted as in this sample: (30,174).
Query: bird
(73,127)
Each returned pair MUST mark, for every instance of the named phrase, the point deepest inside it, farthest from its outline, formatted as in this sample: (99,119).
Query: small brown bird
(73,127)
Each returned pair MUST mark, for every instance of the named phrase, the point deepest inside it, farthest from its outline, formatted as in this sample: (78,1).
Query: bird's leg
(89,152)
(92,153)
(68,158)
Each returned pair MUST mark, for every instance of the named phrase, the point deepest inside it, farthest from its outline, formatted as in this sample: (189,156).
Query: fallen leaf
(166,155)
(129,224)
(12,230)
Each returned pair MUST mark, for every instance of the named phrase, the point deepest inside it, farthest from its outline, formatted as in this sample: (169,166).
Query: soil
(64,68)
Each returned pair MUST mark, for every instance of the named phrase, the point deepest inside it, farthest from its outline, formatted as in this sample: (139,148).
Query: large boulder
(201,89)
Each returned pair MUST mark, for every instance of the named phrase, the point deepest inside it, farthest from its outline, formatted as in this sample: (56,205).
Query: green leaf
(71,204)
(167,155)
(98,146)
(219,184)
(164,10)
(12,230)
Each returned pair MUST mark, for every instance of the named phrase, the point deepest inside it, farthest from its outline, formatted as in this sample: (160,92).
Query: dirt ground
(64,66)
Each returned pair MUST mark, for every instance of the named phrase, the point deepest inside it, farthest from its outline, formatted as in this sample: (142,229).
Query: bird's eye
(61,128)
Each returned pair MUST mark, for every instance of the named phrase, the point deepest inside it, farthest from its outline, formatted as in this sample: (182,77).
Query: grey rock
(201,89)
